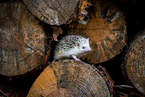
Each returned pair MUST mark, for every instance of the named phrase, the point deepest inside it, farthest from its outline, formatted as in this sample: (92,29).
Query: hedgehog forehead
(83,40)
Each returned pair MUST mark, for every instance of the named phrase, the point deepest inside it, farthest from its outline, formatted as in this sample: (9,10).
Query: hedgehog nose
(89,49)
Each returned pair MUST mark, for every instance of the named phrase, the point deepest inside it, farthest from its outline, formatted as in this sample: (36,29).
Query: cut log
(22,40)
(106,31)
(70,78)
(53,12)
(134,63)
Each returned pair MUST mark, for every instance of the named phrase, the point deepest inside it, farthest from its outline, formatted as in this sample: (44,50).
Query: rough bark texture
(135,62)
(69,78)
(106,30)
(53,12)
(22,40)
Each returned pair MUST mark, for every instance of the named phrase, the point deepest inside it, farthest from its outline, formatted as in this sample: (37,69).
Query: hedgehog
(72,46)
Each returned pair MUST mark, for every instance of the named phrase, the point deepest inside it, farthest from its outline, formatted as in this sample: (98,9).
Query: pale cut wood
(70,78)
(135,62)
(22,40)
(53,12)
(106,31)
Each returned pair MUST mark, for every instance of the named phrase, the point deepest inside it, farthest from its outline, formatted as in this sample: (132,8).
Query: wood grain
(106,31)
(70,78)
(53,12)
(22,40)
(135,62)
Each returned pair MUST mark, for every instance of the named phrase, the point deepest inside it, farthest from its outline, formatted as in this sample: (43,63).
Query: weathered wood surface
(70,78)
(53,12)
(135,63)
(106,30)
(22,40)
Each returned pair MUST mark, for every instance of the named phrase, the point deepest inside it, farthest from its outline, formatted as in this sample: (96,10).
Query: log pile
(29,29)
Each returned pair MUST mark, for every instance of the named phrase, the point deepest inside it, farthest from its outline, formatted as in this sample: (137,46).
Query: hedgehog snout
(89,49)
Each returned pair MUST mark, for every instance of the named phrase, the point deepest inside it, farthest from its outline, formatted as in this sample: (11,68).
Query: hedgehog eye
(83,47)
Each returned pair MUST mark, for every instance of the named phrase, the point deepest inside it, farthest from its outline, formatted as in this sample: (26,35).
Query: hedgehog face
(84,47)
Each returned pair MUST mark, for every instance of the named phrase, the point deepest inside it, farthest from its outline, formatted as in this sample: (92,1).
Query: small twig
(121,93)
(123,86)
(3,93)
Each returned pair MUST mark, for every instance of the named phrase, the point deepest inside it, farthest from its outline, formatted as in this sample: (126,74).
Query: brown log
(53,12)
(22,40)
(70,78)
(106,30)
(134,63)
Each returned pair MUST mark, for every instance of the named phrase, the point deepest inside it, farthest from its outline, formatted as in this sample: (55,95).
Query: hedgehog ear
(88,39)
(77,44)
